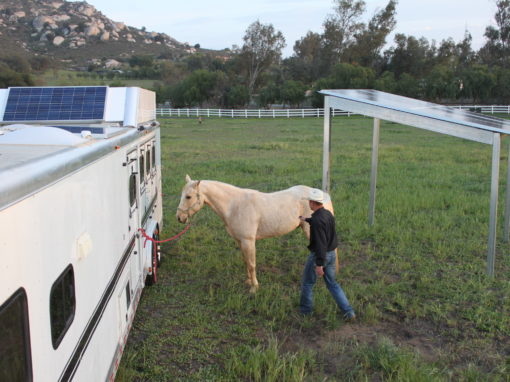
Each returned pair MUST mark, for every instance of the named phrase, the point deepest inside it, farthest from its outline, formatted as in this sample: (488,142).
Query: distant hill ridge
(76,32)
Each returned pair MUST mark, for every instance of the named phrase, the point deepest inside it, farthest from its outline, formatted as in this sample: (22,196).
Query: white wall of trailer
(83,220)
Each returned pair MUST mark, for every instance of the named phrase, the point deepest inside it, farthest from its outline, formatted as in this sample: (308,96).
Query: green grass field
(417,279)
(73,78)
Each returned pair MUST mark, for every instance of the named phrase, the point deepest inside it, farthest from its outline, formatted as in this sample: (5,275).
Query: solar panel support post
(507,204)
(373,175)
(326,150)
(491,253)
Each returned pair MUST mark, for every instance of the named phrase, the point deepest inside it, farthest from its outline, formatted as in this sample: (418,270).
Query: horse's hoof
(253,289)
(248,282)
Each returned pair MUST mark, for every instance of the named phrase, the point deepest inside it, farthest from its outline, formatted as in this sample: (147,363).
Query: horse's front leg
(249,253)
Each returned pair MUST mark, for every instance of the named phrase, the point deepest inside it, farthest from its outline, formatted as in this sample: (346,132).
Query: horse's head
(191,200)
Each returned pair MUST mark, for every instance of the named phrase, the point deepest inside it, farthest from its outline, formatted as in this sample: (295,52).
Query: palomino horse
(249,215)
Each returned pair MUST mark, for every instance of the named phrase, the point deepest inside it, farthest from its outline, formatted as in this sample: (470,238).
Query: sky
(220,24)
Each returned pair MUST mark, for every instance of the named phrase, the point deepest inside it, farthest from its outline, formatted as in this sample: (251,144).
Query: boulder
(39,22)
(57,4)
(87,10)
(105,36)
(117,27)
(58,40)
(92,30)
(60,18)
(111,63)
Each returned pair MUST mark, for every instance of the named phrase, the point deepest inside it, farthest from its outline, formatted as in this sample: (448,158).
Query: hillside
(76,33)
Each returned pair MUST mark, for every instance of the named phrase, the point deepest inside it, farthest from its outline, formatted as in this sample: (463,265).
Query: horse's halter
(186,210)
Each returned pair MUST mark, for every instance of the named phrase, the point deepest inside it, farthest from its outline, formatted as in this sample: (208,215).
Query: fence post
(246,113)
(232,113)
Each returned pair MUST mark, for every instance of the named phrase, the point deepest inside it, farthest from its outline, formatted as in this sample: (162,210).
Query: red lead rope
(147,237)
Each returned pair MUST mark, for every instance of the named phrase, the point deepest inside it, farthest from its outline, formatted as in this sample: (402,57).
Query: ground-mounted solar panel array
(55,103)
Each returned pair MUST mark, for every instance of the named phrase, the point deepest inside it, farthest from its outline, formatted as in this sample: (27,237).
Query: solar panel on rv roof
(55,104)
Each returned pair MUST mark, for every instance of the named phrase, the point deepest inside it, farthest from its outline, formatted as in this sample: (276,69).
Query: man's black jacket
(322,234)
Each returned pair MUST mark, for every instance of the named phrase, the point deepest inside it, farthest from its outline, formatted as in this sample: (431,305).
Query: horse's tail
(328,204)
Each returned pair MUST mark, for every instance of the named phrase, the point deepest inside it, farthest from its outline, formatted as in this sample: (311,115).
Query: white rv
(80,174)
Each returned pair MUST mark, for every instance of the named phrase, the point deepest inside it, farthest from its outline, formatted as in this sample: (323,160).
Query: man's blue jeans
(310,278)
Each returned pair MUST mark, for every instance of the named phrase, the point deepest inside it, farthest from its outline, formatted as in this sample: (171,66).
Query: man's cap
(316,195)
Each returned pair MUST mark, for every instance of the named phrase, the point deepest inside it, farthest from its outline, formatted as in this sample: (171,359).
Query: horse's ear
(188,179)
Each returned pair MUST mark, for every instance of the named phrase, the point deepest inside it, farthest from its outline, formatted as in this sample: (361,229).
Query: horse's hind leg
(249,253)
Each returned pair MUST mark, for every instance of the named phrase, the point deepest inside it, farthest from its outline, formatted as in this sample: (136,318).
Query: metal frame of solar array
(80,103)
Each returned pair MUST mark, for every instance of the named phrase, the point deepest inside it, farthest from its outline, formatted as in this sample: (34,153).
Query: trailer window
(153,151)
(62,305)
(142,168)
(15,354)
(128,295)
(132,190)
(148,161)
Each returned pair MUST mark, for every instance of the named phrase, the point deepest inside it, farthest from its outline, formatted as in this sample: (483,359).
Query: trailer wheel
(158,248)
(153,278)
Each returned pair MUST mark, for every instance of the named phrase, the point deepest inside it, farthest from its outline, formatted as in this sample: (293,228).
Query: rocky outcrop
(65,24)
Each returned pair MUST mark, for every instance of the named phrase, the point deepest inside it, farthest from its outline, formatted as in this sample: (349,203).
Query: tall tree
(262,48)
(367,45)
(305,65)
(497,48)
(340,29)
(409,55)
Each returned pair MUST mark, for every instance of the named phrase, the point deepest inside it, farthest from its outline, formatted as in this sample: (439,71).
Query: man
(322,258)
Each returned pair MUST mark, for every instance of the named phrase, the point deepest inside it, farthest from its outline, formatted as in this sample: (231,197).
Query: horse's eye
(188,197)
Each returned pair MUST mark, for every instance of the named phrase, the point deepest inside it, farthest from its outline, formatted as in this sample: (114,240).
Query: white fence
(294,113)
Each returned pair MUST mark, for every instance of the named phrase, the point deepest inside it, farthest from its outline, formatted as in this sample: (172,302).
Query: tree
(237,96)
(17,63)
(408,86)
(386,82)
(199,87)
(409,55)
(501,90)
(478,82)
(262,48)
(306,63)
(344,76)
(497,48)
(9,77)
(268,95)
(339,31)
(441,83)
(368,42)
(41,63)
(143,61)
(293,92)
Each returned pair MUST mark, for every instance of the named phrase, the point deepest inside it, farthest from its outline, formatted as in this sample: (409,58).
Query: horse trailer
(80,176)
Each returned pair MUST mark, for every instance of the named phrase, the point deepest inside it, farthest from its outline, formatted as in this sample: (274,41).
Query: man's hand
(319,270)
(302,218)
